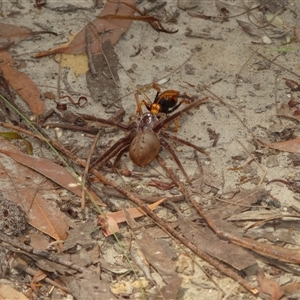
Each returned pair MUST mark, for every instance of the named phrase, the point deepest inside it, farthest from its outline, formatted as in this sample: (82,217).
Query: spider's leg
(184,142)
(119,156)
(172,117)
(112,151)
(172,152)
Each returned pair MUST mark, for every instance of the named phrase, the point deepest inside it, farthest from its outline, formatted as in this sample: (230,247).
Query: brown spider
(144,138)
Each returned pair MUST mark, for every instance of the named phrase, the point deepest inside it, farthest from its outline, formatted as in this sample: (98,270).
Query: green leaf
(28,146)
(15,136)
(11,135)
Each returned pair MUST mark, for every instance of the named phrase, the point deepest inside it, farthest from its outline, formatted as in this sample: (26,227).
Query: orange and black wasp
(165,102)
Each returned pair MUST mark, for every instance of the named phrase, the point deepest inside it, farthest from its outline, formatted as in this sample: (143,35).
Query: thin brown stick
(33,272)
(20,247)
(86,169)
(27,132)
(148,199)
(257,162)
(91,130)
(240,71)
(233,111)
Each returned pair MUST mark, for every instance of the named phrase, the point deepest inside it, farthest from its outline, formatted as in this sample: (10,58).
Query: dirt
(241,73)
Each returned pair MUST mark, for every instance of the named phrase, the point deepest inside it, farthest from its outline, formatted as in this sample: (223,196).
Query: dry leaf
(113,29)
(108,225)
(12,34)
(32,192)
(241,201)
(103,87)
(89,286)
(154,252)
(80,235)
(109,222)
(292,146)
(268,286)
(207,241)
(291,289)
(22,84)
(288,112)
(249,28)
(134,212)
(6,292)
(38,241)
(52,171)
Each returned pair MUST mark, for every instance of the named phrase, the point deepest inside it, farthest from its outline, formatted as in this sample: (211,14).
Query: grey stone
(187,4)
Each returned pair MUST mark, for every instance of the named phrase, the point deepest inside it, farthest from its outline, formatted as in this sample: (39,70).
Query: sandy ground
(225,59)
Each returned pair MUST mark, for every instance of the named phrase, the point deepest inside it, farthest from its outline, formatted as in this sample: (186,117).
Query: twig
(219,266)
(232,111)
(148,199)
(33,272)
(86,169)
(255,159)
(91,130)
(58,78)
(68,87)
(19,247)
(18,128)
(240,71)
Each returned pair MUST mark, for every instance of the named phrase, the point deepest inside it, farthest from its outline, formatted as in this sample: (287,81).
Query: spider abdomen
(144,148)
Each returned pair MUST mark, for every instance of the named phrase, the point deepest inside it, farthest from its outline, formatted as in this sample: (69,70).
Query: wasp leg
(139,105)
(157,87)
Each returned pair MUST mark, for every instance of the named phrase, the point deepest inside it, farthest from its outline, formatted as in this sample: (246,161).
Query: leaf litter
(12,34)
(29,190)
(111,29)
(83,286)
(22,84)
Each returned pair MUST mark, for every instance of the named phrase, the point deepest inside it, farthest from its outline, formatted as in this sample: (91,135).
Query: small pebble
(272,161)
(266,40)
(187,4)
